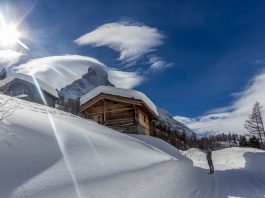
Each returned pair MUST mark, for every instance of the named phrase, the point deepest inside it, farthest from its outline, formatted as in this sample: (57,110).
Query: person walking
(209,160)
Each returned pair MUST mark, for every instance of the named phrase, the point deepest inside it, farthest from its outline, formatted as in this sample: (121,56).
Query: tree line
(182,141)
(255,137)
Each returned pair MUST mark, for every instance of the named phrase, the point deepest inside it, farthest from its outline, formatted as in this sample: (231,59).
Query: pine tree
(184,139)
(234,137)
(254,142)
(255,124)
(243,142)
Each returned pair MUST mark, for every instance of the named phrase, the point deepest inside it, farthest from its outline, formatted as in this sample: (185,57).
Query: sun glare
(9,35)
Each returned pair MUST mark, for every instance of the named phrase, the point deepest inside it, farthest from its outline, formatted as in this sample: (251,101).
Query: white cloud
(129,39)
(231,118)
(9,57)
(125,79)
(157,63)
(60,71)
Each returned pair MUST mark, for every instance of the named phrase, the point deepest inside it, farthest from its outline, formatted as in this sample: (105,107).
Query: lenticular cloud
(131,40)
(60,71)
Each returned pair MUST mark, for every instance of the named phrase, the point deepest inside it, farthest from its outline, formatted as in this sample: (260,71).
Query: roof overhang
(103,96)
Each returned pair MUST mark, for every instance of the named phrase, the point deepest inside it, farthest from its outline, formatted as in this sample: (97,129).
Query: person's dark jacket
(209,154)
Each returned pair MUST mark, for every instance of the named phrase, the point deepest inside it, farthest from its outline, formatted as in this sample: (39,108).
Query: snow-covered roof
(45,87)
(127,93)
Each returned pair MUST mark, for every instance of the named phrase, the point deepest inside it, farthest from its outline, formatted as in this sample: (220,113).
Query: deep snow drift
(48,153)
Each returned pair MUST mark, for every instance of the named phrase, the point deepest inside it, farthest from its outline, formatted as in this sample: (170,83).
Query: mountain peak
(94,77)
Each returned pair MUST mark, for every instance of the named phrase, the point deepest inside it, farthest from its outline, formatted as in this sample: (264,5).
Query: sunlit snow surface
(225,159)
(48,153)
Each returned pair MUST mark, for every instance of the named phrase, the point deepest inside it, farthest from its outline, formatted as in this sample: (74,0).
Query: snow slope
(161,145)
(49,153)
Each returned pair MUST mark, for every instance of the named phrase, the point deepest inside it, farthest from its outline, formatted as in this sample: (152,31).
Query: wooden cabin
(28,88)
(124,110)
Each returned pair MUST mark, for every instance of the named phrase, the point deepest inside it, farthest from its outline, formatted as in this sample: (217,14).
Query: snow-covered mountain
(94,77)
(166,119)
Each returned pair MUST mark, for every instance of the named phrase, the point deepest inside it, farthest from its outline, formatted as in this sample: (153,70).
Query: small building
(125,110)
(29,88)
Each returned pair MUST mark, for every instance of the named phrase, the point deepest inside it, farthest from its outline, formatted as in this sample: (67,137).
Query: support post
(105,112)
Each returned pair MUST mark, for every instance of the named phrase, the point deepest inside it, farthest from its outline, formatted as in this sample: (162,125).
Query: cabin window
(145,119)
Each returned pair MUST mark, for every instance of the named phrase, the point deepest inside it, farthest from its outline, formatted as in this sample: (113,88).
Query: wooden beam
(135,116)
(88,104)
(108,111)
(125,120)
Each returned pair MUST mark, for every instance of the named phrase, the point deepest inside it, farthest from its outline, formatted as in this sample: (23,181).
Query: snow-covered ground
(225,159)
(49,153)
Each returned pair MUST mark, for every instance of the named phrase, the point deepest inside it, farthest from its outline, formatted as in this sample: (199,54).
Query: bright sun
(9,36)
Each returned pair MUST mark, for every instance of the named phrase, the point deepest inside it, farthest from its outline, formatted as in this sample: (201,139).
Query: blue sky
(206,50)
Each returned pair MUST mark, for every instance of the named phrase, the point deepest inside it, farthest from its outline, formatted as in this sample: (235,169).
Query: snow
(31,80)
(127,93)
(45,152)
(225,159)
(234,197)
(231,180)
(22,96)
(160,145)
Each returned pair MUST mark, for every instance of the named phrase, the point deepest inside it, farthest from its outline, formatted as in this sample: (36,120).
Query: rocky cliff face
(94,77)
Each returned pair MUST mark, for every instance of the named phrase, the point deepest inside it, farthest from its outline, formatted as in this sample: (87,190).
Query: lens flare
(59,141)
(9,35)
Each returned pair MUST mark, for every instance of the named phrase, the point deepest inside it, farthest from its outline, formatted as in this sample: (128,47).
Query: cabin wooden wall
(95,112)
(119,113)
(144,120)
(124,117)
(114,113)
